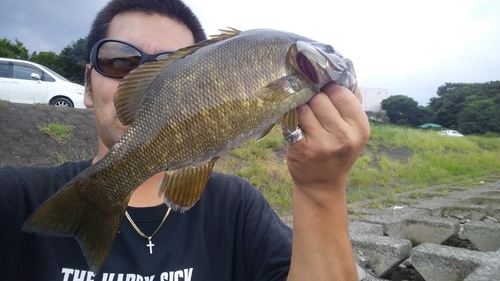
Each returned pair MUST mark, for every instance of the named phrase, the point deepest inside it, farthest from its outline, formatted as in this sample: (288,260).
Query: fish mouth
(322,64)
(307,67)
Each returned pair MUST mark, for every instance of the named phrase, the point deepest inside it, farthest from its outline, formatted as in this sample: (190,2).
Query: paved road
(21,143)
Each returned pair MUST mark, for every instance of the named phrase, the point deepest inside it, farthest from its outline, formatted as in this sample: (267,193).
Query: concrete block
(381,254)
(358,227)
(444,263)
(430,229)
(489,270)
(436,205)
(490,201)
(465,212)
(485,235)
(495,212)
(361,273)
(485,272)
(394,221)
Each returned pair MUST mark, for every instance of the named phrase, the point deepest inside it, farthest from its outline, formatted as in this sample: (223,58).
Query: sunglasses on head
(116,58)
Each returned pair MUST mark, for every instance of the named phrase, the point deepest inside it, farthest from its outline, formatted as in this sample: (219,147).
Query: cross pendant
(150,245)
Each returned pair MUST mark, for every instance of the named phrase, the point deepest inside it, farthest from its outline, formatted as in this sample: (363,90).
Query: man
(231,233)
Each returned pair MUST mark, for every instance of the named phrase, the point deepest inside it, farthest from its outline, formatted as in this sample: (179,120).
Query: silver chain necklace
(150,244)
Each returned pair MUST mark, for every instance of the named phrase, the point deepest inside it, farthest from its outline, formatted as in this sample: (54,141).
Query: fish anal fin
(265,132)
(183,187)
(290,120)
(67,214)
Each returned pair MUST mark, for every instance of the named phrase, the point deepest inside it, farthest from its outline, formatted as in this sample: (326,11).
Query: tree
(73,61)
(479,116)
(48,59)
(13,51)
(472,108)
(400,109)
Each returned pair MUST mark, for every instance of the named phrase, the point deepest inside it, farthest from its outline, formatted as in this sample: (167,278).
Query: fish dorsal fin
(290,120)
(225,34)
(266,132)
(133,87)
(183,187)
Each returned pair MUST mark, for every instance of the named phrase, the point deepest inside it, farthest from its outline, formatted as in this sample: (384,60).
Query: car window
(47,78)
(54,73)
(4,70)
(24,72)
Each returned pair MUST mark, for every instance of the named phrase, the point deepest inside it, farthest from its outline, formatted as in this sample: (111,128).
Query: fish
(181,114)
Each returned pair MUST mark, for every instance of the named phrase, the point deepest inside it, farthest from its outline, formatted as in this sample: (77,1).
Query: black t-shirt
(230,234)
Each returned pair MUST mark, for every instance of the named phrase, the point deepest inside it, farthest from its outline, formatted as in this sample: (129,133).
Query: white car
(29,82)
(450,133)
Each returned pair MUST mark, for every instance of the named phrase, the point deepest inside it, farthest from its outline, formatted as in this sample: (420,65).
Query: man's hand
(336,130)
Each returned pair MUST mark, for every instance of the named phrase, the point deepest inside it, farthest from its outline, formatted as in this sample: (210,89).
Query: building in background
(372,98)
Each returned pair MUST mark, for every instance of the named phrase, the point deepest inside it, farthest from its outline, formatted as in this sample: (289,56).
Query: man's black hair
(174,9)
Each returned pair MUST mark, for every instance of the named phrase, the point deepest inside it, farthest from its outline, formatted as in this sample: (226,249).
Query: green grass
(60,132)
(382,170)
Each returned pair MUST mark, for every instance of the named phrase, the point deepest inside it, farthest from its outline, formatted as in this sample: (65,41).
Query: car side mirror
(36,76)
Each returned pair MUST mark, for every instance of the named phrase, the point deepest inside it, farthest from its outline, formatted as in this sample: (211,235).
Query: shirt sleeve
(22,190)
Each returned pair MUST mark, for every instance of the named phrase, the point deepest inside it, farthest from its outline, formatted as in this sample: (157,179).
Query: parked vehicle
(29,82)
(450,133)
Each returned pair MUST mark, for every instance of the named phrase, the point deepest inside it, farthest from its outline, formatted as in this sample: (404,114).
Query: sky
(407,47)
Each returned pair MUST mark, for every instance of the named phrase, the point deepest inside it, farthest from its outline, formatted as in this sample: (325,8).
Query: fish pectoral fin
(133,88)
(266,132)
(183,187)
(281,89)
(290,120)
(68,214)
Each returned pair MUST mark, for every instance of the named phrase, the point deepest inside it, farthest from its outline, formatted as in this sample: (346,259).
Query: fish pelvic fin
(183,187)
(69,214)
(289,120)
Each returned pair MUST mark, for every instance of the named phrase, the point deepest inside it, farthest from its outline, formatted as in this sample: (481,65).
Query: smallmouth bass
(182,113)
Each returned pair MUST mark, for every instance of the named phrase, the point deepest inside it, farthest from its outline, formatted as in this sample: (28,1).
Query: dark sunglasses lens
(117,59)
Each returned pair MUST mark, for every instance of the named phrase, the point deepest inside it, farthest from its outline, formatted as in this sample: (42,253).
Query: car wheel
(61,102)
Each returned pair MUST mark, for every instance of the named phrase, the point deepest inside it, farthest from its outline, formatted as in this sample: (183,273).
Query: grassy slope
(395,160)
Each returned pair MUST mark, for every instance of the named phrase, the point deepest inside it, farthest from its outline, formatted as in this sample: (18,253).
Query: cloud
(408,47)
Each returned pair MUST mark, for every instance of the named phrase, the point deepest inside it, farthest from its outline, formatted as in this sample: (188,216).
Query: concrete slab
(489,270)
(495,212)
(436,205)
(484,235)
(363,228)
(444,263)
(430,229)
(394,221)
(490,201)
(465,212)
(381,254)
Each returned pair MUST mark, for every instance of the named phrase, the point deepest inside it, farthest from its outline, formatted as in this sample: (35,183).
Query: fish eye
(329,49)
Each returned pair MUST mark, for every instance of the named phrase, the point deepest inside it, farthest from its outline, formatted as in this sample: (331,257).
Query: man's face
(152,34)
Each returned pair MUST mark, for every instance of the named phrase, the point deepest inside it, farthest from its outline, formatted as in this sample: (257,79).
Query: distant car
(29,82)
(450,133)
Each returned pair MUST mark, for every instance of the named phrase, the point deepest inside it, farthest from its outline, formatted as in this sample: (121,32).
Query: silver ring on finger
(293,137)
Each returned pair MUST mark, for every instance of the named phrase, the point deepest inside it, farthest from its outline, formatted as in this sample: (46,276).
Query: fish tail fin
(68,213)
